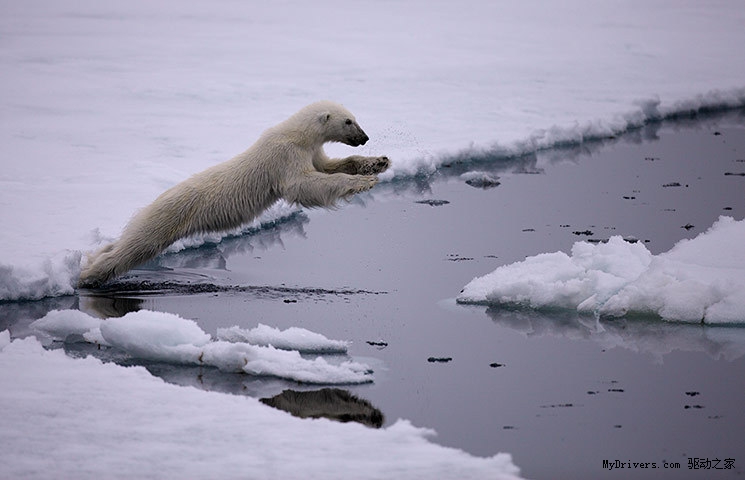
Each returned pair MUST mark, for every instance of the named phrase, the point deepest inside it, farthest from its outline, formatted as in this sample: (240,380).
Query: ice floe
(293,338)
(164,337)
(699,280)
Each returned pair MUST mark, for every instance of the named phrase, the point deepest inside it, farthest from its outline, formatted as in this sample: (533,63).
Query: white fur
(287,161)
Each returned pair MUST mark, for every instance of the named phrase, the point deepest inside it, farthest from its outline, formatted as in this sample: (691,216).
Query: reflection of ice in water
(638,335)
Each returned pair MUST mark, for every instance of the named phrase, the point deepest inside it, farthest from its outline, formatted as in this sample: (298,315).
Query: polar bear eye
(348,121)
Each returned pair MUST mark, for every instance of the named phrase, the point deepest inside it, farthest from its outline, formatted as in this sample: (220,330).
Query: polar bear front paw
(374,165)
(362,183)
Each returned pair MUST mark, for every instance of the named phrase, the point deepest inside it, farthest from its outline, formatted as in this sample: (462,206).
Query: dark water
(562,393)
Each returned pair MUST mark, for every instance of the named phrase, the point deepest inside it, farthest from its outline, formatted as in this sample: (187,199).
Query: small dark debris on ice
(433,203)
(454,257)
(482,180)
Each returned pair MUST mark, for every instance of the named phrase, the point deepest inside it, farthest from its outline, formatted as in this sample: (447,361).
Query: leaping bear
(287,161)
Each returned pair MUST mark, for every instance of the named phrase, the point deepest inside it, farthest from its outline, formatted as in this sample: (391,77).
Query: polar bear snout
(355,135)
(360,138)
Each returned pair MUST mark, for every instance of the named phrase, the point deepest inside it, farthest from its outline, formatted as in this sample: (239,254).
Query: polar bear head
(341,126)
(331,122)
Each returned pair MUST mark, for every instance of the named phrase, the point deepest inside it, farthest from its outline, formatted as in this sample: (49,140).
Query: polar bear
(287,161)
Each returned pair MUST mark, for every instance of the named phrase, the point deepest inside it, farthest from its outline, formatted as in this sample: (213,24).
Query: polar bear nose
(358,138)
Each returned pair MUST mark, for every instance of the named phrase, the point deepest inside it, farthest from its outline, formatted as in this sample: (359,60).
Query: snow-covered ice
(165,337)
(83,419)
(293,338)
(699,280)
(107,104)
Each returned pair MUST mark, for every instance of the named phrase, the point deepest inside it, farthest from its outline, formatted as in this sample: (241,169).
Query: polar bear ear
(324,117)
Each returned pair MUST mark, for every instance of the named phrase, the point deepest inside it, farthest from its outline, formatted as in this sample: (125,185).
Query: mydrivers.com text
(693,464)
(627,464)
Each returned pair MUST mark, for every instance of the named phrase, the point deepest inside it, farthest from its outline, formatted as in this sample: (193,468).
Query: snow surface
(699,280)
(82,419)
(293,338)
(107,104)
(165,337)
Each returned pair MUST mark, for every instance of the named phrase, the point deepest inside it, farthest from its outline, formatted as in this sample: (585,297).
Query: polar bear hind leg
(116,259)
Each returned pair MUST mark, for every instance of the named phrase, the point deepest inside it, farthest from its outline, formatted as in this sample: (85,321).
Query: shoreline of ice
(56,274)
(108,105)
(82,418)
(645,112)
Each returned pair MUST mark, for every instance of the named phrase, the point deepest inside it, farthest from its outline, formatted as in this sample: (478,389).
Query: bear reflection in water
(332,403)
